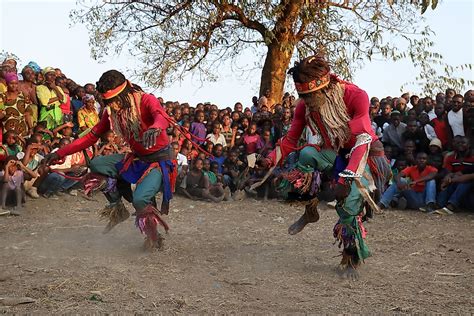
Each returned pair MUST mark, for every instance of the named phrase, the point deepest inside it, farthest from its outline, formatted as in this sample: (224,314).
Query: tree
(172,38)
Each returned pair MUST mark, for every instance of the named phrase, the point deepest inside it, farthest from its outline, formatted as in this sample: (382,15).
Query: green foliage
(171,38)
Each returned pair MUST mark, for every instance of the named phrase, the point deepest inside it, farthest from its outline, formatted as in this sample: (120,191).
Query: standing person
(198,129)
(138,119)
(440,125)
(383,119)
(16,113)
(216,137)
(338,112)
(456,116)
(50,98)
(28,87)
(266,100)
(392,134)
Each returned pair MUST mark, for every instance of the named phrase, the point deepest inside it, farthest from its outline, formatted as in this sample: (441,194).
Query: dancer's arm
(361,128)
(290,141)
(88,140)
(153,106)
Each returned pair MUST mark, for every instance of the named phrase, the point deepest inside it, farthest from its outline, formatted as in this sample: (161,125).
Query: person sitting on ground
(11,146)
(182,161)
(107,145)
(197,184)
(233,171)
(435,155)
(216,187)
(55,182)
(32,160)
(13,176)
(419,191)
(454,192)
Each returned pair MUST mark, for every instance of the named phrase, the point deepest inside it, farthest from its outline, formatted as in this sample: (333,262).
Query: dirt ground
(234,257)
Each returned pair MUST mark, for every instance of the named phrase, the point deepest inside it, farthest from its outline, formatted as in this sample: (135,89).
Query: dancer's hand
(149,137)
(51,159)
(264,163)
(341,191)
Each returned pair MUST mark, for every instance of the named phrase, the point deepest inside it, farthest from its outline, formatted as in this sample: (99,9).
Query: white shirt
(182,160)
(455,120)
(430,132)
(219,140)
(431,114)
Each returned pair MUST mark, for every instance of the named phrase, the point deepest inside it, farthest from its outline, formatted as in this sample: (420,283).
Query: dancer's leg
(310,160)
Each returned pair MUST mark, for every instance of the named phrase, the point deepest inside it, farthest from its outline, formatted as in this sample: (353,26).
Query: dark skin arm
(60,95)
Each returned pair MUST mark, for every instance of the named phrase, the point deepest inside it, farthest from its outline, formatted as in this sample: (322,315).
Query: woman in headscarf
(50,97)
(87,116)
(16,112)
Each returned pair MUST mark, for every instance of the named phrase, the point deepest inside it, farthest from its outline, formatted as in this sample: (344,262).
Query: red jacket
(357,103)
(152,116)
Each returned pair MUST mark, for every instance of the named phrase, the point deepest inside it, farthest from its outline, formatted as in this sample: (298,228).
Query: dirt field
(233,257)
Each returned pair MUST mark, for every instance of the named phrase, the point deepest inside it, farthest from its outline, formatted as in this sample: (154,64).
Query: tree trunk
(274,70)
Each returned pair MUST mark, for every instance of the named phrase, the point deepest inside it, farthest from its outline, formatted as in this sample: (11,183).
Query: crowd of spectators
(428,142)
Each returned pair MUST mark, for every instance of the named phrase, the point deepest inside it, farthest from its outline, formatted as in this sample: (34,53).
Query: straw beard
(126,122)
(329,102)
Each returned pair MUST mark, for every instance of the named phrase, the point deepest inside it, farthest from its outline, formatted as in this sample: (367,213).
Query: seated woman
(197,184)
(87,116)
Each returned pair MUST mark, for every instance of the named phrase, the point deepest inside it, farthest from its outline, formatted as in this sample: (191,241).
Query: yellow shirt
(87,118)
(3,87)
(44,94)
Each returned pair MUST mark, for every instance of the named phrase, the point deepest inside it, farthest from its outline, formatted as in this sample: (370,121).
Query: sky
(41,31)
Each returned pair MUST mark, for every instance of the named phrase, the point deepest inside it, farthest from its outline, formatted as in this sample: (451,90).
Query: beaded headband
(313,85)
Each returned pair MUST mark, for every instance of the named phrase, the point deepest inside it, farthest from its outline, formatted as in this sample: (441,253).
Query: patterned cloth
(15,113)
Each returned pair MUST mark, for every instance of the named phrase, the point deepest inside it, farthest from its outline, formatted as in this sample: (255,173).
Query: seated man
(420,191)
(455,188)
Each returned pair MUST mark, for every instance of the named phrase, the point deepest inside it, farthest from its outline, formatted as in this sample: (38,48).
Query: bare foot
(348,272)
(150,245)
(298,226)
